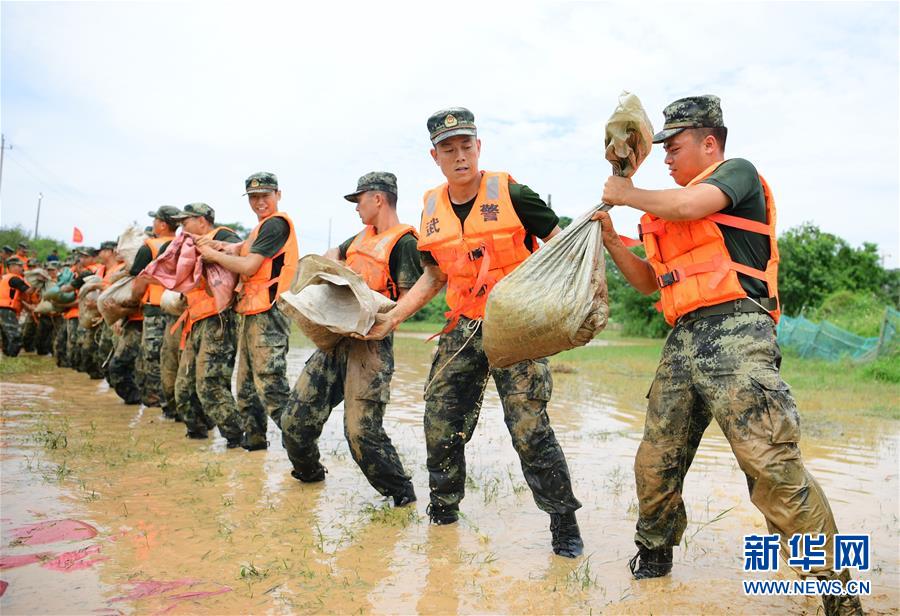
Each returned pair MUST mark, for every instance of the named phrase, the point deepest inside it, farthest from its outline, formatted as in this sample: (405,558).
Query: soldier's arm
(246,265)
(333,253)
(637,271)
(428,285)
(688,203)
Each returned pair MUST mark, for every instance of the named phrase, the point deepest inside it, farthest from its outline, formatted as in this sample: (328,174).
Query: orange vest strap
(629,242)
(741,223)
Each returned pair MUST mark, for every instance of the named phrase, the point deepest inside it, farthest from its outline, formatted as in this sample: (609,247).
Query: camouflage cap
(261,182)
(374,180)
(690,112)
(51,265)
(166,213)
(7,248)
(109,245)
(192,210)
(33,262)
(14,261)
(450,122)
(23,245)
(85,251)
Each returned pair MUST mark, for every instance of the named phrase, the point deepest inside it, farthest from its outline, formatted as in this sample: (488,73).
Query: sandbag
(44,307)
(130,241)
(88,315)
(181,268)
(115,303)
(60,299)
(172,302)
(329,301)
(555,300)
(37,278)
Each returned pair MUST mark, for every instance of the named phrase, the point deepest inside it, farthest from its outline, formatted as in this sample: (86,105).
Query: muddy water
(188,527)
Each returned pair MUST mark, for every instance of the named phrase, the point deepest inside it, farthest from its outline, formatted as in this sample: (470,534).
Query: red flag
(77,237)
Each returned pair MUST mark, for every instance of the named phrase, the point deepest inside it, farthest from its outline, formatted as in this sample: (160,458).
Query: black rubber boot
(649,563)
(254,443)
(407,497)
(196,434)
(441,516)
(566,536)
(313,476)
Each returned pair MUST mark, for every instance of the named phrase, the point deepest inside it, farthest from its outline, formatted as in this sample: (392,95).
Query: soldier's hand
(381,329)
(207,252)
(606,224)
(616,190)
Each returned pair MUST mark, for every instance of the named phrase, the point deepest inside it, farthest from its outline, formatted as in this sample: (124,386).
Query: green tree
(237,227)
(815,264)
(564,221)
(635,311)
(39,248)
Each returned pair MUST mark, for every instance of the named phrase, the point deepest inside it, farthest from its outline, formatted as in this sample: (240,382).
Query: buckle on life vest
(476,254)
(669,278)
(640,232)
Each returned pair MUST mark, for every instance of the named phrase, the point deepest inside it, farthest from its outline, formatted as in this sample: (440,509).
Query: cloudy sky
(115,108)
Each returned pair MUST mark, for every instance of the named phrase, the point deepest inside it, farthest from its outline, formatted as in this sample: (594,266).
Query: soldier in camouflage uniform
(124,373)
(13,290)
(169,355)
(46,326)
(266,262)
(358,371)
(203,384)
(30,325)
(721,360)
(497,213)
(149,293)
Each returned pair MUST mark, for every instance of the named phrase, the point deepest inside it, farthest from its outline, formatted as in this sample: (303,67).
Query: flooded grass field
(107,508)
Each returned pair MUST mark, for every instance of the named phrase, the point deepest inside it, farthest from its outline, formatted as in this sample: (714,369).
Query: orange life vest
(257,293)
(369,255)
(201,304)
(153,294)
(96,269)
(479,253)
(110,271)
(692,264)
(10,297)
(24,259)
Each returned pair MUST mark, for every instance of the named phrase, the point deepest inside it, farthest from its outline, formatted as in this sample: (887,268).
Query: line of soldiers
(711,252)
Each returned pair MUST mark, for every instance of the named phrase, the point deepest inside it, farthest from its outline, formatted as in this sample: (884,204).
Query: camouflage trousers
(151,345)
(89,341)
(10,332)
(169,355)
(359,373)
(105,345)
(203,386)
(458,377)
(29,331)
(726,368)
(73,343)
(60,341)
(43,342)
(123,373)
(262,385)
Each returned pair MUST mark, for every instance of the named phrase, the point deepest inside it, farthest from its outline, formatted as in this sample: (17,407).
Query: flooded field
(108,509)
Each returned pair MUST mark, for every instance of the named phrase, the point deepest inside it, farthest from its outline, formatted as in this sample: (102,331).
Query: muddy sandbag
(115,303)
(555,300)
(44,307)
(88,315)
(37,278)
(329,301)
(130,241)
(172,302)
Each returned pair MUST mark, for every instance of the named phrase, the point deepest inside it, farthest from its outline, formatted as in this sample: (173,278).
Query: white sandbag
(37,278)
(555,300)
(130,241)
(115,302)
(88,314)
(44,307)
(172,302)
(329,301)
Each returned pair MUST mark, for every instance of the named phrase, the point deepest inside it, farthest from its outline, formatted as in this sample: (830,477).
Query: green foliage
(815,264)
(38,248)
(885,369)
(433,311)
(860,312)
(564,221)
(237,227)
(635,311)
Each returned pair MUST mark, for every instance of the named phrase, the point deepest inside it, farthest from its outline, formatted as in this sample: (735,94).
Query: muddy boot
(310,476)
(841,605)
(653,563)
(407,497)
(440,515)
(254,443)
(566,537)
(196,434)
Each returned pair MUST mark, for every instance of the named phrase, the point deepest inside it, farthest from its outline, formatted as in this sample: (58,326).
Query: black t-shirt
(536,216)
(739,180)
(272,235)
(19,285)
(404,263)
(225,235)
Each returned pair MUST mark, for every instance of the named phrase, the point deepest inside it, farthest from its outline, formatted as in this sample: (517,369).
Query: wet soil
(107,508)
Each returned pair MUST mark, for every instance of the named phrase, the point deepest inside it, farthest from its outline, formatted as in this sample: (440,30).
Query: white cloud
(118,108)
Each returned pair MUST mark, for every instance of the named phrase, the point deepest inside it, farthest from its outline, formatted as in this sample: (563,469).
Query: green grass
(25,364)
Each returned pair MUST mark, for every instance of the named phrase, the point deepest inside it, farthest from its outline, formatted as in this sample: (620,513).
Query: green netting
(827,341)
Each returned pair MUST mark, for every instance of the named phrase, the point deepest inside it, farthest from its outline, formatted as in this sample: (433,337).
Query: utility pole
(3,149)
(38,219)
(329,235)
